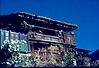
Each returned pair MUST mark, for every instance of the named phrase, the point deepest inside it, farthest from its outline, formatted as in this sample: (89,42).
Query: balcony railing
(42,37)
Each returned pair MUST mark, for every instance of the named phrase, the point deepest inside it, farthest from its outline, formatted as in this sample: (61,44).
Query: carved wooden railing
(42,37)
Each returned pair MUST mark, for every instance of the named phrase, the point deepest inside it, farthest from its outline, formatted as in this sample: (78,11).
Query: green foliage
(10,52)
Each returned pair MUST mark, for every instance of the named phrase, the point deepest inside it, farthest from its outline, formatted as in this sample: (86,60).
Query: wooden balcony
(47,38)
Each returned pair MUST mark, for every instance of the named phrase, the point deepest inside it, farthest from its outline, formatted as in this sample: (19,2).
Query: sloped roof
(15,20)
(84,50)
(46,18)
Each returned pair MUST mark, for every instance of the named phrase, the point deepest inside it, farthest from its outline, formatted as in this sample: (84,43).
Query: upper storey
(23,21)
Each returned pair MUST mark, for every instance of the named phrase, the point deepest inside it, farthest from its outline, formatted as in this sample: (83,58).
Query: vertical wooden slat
(14,35)
(19,36)
(22,36)
(69,38)
(10,35)
(0,38)
(28,43)
(72,39)
(31,48)
(66,37)
(2,31)
(4,35)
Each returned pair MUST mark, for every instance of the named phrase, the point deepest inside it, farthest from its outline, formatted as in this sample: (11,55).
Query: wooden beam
(46,28)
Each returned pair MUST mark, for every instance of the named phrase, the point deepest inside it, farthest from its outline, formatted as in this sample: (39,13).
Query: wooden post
(66,37)
(4,35)
(10,35)
(22,36)
(72,38)
(14,35)
(19,36)
(31,47)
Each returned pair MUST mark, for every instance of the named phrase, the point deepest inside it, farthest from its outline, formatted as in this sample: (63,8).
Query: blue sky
(84,13)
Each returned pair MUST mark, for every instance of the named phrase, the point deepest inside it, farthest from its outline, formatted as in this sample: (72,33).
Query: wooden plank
(46,28)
